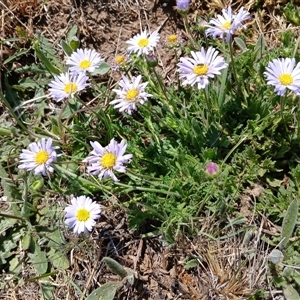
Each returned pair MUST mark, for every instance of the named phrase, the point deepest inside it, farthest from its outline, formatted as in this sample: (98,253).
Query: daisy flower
(81,214)
(227,24)
(84,60)
(104,160)
(173,41)
(120,62)
(39,157)
(283,74)
(201,67)
(67,84)
(143,43)
(131,93)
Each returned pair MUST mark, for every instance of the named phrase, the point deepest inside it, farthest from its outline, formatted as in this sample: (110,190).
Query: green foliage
(237,121)
(292,13)
(106,292)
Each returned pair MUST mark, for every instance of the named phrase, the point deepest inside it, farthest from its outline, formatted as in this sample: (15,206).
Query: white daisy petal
(67,84)
(132,93)
(81,214)
(227,24)
(202,66)
(283,74)
(143,43)
(39,158)
(84,60)
(102,163)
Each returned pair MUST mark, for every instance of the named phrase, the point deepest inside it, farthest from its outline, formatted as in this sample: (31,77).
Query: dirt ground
(158,267)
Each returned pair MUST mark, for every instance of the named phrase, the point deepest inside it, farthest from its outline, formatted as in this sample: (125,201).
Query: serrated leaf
(289,222)
(106,292)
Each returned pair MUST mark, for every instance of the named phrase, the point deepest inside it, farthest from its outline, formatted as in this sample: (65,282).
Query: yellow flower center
(226,25)
(120,59)
(143,43)
(200,69)
(84,64)
(108,160)
(70,88)
(172,39)
(41,157)
(285,79)
(132,94)
(82,215)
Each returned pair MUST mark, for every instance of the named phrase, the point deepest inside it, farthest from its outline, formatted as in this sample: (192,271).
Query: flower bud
(152,61)
(183,6)
(212,168)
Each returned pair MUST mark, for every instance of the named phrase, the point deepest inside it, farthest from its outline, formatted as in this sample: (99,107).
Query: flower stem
(59,122)
(188,30)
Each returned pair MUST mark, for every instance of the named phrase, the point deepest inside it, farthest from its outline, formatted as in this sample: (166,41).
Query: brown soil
(158,267)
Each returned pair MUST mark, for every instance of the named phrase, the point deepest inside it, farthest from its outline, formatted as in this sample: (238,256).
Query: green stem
(209,107)
(12,217)
(188,30)
(232,63)
(59,121)
(238,84)
(162,87)
(282,104)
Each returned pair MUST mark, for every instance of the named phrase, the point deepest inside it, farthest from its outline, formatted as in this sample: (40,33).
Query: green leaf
(115,267)
(68,50)
(74,43)
(106,292)
(39,260)
(26,241)
(71,108)
(6,185)
(102,69)
(191,264)
(58,259)
(45,60)
(289,223)
(15,55)
(260,47)
(290,293)
(72,33)
(47,291)
(14,265)
(241,44)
